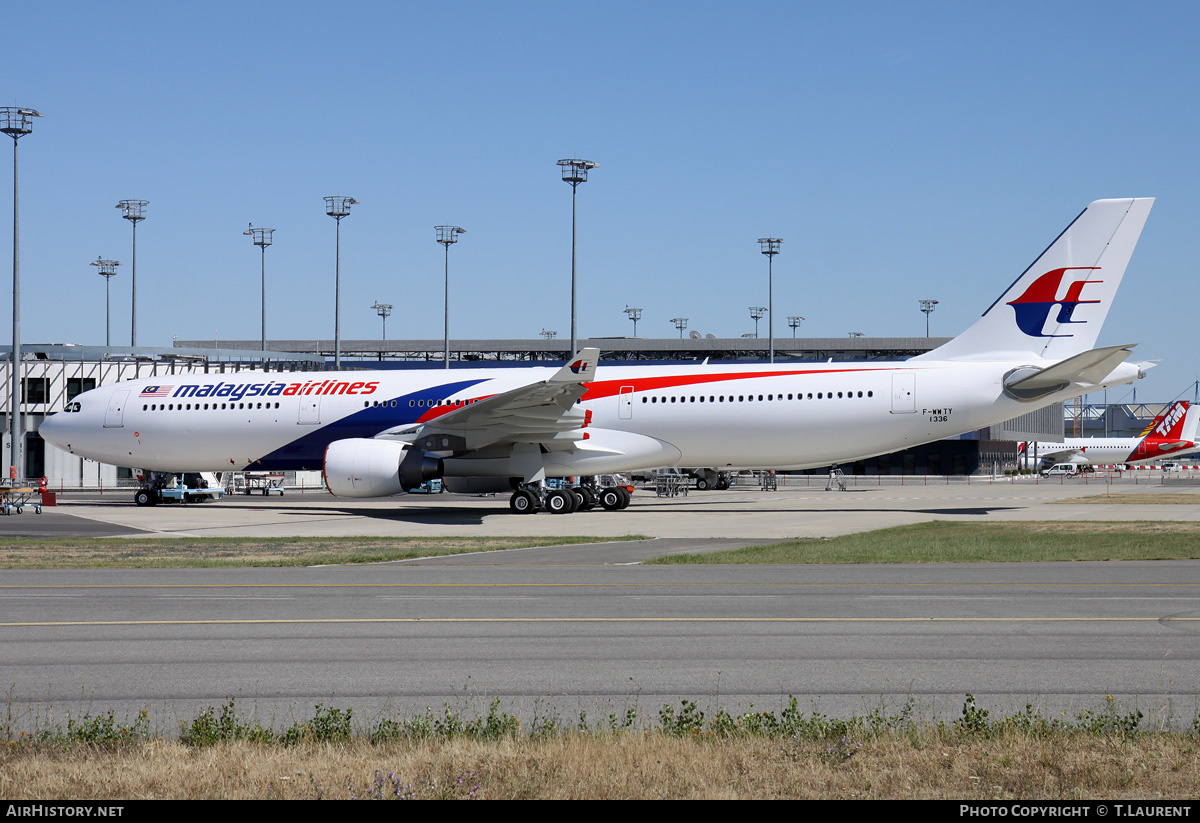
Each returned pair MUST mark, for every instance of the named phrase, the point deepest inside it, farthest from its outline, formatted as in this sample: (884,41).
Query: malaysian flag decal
(156,391)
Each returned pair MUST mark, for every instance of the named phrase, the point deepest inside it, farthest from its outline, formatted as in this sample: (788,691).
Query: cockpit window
(73,407)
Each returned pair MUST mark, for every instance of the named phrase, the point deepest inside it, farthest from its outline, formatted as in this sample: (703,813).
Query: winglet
(579,369)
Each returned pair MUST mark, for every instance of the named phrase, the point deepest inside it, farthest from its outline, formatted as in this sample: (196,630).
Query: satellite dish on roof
(695,335)
(710,337)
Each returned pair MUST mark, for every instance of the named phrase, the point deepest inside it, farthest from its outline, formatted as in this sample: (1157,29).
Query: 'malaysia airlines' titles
(236,391)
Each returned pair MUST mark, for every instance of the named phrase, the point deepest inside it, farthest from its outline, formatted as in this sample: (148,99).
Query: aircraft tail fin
(1190,423)
(1056,308)
(1171,424)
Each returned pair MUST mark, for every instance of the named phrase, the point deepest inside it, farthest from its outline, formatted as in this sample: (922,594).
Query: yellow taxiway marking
(659,584)
(345,620)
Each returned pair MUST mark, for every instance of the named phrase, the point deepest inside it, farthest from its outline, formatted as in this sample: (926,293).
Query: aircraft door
(310,410)
(114,417)
(904,393)
(625,403)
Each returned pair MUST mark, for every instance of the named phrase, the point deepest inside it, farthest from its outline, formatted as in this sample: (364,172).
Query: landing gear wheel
(722,485)
(701,484)
(611,499)
(560,502)
(626,497)
(588,497)
(523,502)
(143,497)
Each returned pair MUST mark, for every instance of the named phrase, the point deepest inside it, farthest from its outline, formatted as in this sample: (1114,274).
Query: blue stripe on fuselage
(307,453)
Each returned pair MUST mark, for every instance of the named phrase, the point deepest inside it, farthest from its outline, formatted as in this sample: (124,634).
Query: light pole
(447,236)
(757,312)
(134,211)
(770,247)
(384,310)
(634,315)
(681,324)
(16,122)
(262,239)
(854,334)
(338,207)
(574,171)
(548,334)
(927,307)
(108,270)
(794,320)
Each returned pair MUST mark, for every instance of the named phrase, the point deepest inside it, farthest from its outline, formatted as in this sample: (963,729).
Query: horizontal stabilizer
(1090,367)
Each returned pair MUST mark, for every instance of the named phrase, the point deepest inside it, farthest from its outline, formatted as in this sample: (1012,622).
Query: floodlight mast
(447,236)
(634,315)
(262,239)
(757,312)
(770,247)
(16,122)
(548,334)
(337,207)
(134,211)
(574,171)
(681,324)
(927,307)
(384,310)
(108,270)
(794,320)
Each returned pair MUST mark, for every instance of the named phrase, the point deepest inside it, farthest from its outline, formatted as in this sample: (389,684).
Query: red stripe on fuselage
(608,388)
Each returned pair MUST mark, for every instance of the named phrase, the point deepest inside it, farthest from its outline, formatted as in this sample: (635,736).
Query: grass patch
(129,553)
(954,542)
(1162,499)
(679,752)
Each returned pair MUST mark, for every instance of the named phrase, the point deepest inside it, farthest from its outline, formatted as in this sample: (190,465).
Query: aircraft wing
(543,412)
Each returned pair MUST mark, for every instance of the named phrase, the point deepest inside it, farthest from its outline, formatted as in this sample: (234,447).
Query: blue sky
(901,150)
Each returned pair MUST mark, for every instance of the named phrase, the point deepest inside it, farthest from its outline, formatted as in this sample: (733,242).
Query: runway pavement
(568,629)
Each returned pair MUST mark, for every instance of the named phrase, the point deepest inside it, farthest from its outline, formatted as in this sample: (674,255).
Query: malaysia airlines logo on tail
(1033,307)
(578,366)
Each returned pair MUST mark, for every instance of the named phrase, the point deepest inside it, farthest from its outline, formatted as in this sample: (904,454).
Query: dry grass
(1160,499)
(1131,527)
(120,552)
(636,765)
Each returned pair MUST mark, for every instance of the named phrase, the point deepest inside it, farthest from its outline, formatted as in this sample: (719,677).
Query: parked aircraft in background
(378,433)
(1173,432)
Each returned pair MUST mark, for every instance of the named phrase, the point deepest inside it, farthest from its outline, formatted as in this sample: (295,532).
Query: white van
(1061,470)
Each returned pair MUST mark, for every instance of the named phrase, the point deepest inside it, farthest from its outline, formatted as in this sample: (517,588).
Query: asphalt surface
(559,630)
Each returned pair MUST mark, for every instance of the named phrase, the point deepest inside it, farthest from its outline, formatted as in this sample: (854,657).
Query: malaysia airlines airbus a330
(380,433)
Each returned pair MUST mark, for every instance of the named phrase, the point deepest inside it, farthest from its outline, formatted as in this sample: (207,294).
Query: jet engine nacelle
(359,467)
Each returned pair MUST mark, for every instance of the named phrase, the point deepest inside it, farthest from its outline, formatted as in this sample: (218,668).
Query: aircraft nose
(52,430)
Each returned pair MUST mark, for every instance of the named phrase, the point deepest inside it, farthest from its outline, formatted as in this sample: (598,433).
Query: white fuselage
(794,416)
(1109,451)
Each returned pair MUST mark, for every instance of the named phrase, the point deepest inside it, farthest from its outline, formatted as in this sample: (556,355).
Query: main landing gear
(534,496)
